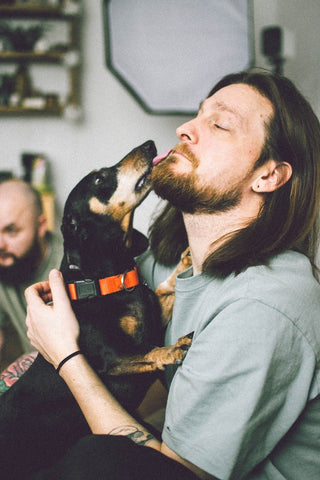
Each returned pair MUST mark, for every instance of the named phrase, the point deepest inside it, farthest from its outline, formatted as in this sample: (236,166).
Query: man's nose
(188,132)
(2,242)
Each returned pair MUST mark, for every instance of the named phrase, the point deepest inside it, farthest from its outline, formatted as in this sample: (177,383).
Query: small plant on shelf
(21,39)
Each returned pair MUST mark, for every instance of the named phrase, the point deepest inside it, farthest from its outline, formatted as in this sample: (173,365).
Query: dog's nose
(149,148)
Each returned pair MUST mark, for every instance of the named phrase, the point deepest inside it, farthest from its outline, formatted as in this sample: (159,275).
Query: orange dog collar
(88,288)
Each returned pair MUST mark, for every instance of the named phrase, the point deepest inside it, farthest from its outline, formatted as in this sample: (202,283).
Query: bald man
(27,253)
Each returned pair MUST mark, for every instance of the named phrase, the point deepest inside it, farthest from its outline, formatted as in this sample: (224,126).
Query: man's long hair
(289,216)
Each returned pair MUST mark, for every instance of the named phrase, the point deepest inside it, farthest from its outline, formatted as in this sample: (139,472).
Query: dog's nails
(178,362)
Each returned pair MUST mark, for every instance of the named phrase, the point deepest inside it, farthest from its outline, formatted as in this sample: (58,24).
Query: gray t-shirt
(12,301)
(245,404)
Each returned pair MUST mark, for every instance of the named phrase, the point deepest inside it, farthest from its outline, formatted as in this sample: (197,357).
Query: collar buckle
(86,288)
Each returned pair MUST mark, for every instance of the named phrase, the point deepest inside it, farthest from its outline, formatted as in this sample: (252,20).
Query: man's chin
(14,275)
(7,261)
(21,269)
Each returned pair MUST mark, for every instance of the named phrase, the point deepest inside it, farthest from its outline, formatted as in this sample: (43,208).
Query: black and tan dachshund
(119,319)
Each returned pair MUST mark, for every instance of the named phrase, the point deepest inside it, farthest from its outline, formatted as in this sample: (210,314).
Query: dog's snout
(149,148)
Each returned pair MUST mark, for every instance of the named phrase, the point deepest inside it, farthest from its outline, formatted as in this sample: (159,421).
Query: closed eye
(219,124)
(219,127)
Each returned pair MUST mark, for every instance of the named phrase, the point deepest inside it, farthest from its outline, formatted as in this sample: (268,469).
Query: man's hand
(52,326)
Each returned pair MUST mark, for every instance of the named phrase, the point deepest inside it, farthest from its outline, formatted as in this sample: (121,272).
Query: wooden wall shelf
(34,10)
(11,110)
(67,57)
(25,57)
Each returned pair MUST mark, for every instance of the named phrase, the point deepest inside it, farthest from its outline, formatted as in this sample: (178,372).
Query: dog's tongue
(160,157)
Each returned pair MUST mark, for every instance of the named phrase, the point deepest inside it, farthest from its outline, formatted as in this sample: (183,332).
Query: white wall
(304,68)
(301,19)
(114,123)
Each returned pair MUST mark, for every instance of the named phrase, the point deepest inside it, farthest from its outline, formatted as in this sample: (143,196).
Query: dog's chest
(124,323)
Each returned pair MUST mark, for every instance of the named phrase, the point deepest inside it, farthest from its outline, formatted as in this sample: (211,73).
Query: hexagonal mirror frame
(169,53)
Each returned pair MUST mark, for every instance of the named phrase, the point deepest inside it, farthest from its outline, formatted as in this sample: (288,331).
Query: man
(245,180)
(27,252)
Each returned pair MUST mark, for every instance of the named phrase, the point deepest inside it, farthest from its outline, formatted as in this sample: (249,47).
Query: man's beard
(183,190)
(23,268)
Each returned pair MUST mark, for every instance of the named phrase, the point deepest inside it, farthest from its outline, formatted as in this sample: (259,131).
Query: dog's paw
(182,346)
(175,354)
(186,260)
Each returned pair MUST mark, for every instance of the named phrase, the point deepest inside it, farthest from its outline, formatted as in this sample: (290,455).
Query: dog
(119,317)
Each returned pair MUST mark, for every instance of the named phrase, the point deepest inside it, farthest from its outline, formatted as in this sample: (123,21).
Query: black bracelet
(78,352)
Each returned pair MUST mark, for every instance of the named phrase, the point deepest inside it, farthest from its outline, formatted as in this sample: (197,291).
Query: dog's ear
(139,243)
(126,225)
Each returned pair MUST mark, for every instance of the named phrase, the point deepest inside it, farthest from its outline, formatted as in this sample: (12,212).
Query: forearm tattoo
(139,437)
(12,373)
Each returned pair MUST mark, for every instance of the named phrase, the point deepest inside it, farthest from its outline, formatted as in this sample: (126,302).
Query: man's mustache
(184,150)
(6,254)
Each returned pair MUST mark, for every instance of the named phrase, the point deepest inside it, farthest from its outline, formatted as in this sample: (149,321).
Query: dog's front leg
(165,291)
(156,359)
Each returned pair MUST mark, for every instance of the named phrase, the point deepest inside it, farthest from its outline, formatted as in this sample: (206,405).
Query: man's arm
(54,331)
(14,371)
(106,416)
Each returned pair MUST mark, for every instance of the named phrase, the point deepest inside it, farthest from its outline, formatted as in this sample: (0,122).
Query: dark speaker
(272,41)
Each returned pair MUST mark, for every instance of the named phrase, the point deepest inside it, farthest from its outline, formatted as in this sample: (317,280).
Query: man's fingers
(38,293)
(58,289)
(44,292)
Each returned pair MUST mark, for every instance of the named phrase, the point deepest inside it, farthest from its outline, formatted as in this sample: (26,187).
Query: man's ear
(42,225)
(271,176)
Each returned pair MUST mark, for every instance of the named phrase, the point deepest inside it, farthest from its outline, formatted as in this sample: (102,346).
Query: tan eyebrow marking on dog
(116,211)
(97,207)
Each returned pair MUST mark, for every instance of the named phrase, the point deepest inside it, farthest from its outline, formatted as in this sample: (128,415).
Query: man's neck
(206,232)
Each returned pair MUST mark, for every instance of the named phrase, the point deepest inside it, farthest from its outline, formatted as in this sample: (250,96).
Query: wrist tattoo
(14,371)
(140,437)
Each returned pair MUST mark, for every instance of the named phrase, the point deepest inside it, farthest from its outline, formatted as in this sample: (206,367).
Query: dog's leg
(156,359)
(165,291)
(127,226)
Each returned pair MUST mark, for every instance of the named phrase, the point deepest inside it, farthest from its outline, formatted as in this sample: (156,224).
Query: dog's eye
(98,180)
